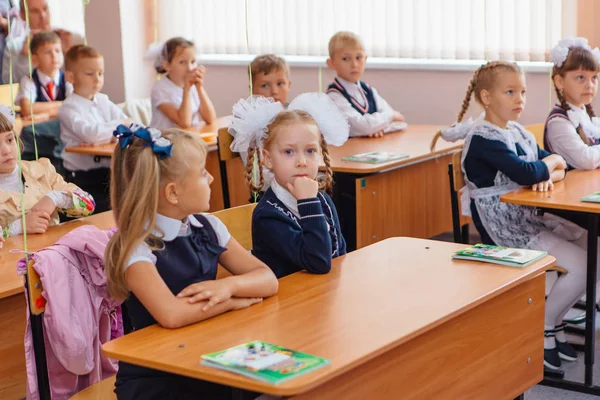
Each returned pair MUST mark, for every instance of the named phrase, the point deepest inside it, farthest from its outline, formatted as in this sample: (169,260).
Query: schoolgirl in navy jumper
(295,225)
(572,128)
(163,258)
(500,156)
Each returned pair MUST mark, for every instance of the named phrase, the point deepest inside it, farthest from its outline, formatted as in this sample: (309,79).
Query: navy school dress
(369,108)
(184,260)
(289,244)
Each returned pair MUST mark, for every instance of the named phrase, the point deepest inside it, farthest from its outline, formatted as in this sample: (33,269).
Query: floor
(573,370)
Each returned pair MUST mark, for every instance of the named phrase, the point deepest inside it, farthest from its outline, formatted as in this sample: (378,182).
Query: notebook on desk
(499,255)
(375,157)
(591,198)
(264,361)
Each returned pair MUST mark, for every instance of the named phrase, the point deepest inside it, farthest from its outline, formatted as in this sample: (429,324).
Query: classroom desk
(397,319)
(407,197)
(12,301)
(208,132)
(566,196)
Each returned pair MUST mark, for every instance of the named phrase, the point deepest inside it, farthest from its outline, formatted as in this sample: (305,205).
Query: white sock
(549,341)
(561,337)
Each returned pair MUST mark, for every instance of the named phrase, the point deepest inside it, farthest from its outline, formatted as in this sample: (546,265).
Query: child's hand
(377,134)
(200,72)
(554,161)
(45,204)
(37,221)
(543,186)
(303,188)
(190,78)
(398,117)
(215,292)
(243,302)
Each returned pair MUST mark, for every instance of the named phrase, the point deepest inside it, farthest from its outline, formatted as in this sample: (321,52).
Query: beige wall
(423,96)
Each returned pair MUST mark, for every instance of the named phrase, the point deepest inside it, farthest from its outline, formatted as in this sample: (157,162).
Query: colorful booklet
(592,198)
(264,361)
(499,255)
(375,157)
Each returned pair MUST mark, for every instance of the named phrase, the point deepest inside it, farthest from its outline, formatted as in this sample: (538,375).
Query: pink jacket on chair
(80,315)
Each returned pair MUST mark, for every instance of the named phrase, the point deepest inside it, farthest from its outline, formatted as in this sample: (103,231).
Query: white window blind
(522,30)
(68,15)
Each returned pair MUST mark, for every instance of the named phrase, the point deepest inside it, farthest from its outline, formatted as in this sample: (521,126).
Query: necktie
(50,88)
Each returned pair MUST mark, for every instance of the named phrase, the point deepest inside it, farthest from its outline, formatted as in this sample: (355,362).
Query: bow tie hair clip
(252,116)
(161,146)
(559,53)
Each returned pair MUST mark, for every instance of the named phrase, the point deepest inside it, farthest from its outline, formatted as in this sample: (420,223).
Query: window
(67,14)
(522,30)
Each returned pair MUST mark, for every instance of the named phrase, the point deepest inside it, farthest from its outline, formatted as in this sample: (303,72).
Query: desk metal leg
(590,317)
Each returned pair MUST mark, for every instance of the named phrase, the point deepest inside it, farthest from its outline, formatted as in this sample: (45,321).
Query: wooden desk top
(565,196)
(208,132)
(374,299)
(414,140)
(10,282)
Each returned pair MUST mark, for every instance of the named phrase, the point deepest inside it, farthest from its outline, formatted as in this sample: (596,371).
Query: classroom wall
(423,96)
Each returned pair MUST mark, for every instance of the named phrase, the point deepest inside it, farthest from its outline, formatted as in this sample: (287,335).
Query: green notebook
(592,198)
(499,255)
(375,157)
(264,361)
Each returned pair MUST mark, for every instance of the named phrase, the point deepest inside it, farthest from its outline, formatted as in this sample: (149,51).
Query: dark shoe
(566,351)
(552,359)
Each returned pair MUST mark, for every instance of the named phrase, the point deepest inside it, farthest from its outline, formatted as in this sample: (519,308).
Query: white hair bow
(252,116)
(559,53)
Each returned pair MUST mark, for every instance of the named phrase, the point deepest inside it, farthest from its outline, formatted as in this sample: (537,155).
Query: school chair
(139,110)
(37,304)
(238,221)
(538,132)
(457,181)
(224,140)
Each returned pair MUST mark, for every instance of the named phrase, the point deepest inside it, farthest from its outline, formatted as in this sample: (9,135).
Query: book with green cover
(499,255)
(375,157)
(592,198)
(264,361)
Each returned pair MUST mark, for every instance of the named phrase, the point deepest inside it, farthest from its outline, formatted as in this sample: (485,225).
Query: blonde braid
(465,104)
(249,172)
(327,183)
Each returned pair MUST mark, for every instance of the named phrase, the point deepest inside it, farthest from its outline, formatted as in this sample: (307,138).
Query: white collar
(579,116)
(347,84)
(82,100)
(285,197)
(44,79)
(168,229)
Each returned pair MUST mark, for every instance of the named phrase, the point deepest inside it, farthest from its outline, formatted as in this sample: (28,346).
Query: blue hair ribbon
(152,137)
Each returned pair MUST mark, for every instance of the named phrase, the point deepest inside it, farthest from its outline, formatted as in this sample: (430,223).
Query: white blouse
(565,140)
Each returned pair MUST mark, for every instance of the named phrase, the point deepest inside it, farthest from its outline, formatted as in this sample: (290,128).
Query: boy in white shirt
(47,87)
(43,93)
(367,112)
(88,117)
